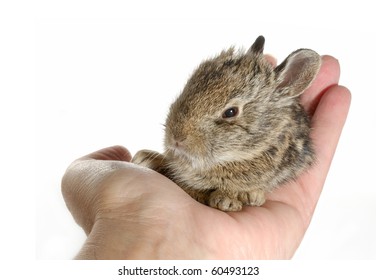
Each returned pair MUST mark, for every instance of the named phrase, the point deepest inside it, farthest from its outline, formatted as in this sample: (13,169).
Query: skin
(129,212)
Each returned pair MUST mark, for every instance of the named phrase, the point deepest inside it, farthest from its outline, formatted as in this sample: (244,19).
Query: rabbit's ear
(297,72)
(258,46)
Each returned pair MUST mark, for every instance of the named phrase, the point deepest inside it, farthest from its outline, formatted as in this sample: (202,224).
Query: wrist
(113,239)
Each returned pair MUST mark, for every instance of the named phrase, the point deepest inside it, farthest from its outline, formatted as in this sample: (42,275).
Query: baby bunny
(237,130)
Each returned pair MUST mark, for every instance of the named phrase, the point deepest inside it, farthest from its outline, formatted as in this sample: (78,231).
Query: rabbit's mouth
(181,156)
(179,152)
(178,149)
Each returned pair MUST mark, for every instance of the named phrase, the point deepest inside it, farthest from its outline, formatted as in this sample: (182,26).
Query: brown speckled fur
(230,162)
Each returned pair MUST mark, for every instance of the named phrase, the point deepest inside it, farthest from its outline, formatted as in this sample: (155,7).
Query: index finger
(327,77)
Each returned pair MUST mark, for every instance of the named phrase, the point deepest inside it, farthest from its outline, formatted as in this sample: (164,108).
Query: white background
(105,74)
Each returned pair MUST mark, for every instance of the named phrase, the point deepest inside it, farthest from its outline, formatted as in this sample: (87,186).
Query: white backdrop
(107,77)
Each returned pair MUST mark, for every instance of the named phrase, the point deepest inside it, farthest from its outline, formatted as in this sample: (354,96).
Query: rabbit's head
(237,105)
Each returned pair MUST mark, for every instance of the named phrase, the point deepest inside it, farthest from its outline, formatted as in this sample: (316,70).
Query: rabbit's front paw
(222,201)
(254,197)
(147,158)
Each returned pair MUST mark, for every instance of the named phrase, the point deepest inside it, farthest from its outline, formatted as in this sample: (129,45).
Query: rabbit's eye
(230,112)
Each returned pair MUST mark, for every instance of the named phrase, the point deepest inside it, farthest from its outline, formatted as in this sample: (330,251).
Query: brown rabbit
(238,130)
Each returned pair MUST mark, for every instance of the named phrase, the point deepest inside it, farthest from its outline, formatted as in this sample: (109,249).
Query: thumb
(82,182)
(110,153)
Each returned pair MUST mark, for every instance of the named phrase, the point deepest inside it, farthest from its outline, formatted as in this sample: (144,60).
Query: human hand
(129,212)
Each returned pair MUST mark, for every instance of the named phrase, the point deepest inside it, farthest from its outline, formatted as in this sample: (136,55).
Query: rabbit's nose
(180,144)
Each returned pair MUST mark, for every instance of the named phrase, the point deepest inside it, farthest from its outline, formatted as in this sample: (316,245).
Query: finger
(328,76)
(327,123)
(271,59)
(111,153)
